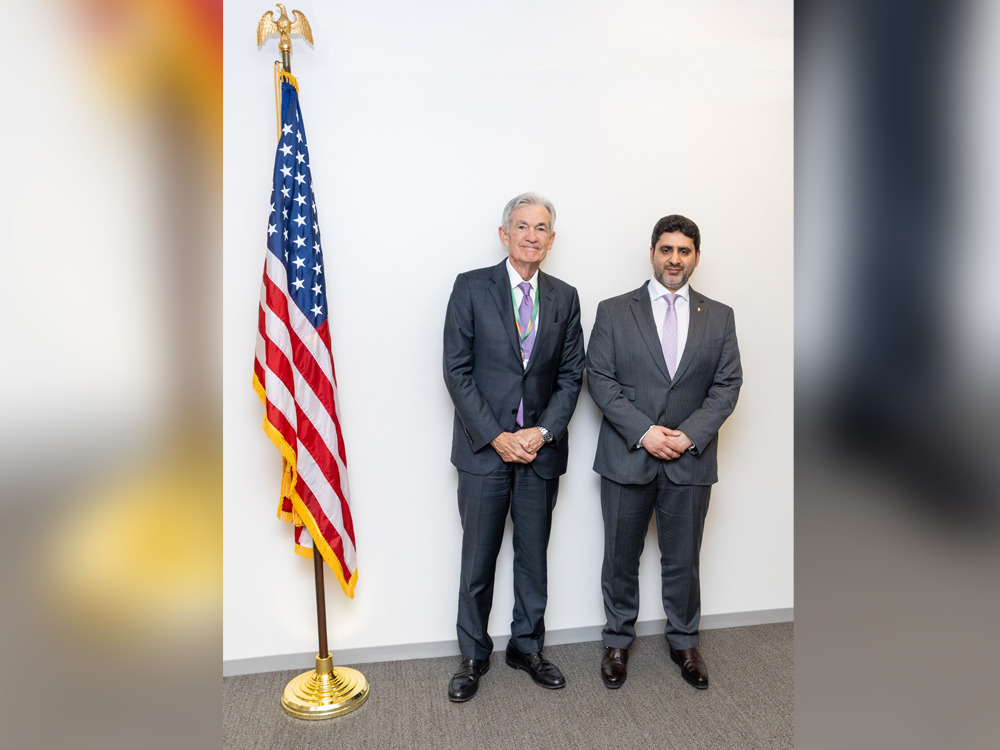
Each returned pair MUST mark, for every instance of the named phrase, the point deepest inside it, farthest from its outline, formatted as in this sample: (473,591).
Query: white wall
(423,120)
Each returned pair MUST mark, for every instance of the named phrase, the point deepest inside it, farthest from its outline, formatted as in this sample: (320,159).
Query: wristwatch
(546,435)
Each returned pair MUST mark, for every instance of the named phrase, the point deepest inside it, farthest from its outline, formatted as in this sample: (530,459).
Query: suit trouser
(680,521)
(483,503)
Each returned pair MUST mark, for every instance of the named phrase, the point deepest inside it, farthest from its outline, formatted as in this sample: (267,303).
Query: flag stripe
(325,461)
(324,332)
(275,359)
(289,312)
(325,523)
(312,418)
(305,362)
(310,486)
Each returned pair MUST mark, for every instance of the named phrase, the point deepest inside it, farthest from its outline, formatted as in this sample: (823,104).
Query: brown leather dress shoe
(613,667)
(693,668)
(465,681)
(542,671)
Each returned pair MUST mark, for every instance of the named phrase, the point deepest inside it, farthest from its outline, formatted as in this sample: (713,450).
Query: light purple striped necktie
(524,313)
(668,341)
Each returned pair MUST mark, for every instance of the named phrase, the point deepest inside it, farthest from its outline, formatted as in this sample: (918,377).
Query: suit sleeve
(704,423)
(604,387)
(480,424)
(569,379)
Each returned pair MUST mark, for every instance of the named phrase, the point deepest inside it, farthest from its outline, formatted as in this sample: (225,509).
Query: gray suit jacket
(627,378)
(485,376)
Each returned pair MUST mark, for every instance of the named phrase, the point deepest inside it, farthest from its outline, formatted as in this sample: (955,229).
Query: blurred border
(111,437)
(896,396)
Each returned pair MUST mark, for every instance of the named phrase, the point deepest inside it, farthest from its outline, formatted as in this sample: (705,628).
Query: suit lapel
(697,322)
(500,291)
(642,310)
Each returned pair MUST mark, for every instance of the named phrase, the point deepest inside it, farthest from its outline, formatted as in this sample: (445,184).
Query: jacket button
(671,390)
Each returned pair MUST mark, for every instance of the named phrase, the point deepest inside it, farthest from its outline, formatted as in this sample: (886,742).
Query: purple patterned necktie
(668,341)
(524,316)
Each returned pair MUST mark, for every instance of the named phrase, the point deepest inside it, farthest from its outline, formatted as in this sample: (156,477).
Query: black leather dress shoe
(613,671)
(542,671)
(465,682)
(693,668)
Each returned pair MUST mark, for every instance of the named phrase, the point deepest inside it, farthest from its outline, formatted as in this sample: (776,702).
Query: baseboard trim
(401,652)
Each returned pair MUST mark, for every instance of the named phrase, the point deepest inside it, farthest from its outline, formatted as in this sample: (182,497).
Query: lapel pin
(699,309)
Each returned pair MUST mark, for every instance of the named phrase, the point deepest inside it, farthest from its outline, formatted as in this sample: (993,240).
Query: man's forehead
(675,239)
(531,213)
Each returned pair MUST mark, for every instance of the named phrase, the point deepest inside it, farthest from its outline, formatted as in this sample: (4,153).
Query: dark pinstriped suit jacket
(627,378)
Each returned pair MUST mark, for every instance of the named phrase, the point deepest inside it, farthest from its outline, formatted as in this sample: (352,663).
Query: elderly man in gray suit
(664,367)
(513,364)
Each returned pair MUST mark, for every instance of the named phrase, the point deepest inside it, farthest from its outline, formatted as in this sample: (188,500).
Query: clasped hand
(519,447)
(665,443)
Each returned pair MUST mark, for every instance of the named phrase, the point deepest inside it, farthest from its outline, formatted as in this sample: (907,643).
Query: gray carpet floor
(748,705)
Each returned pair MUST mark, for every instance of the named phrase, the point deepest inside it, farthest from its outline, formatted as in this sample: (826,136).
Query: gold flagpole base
(324,692)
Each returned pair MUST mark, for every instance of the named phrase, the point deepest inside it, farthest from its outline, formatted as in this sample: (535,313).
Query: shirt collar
(657,290)
(515,278)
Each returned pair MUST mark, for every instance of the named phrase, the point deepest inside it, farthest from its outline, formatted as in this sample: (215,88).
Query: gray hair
(529,199)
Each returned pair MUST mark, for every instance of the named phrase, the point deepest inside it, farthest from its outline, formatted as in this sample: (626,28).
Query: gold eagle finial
(284,27)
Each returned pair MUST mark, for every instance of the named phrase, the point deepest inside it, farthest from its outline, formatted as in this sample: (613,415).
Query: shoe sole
(515,665)
(694,684)
(612,685)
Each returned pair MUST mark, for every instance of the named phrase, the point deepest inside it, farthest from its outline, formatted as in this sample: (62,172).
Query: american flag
(293,368)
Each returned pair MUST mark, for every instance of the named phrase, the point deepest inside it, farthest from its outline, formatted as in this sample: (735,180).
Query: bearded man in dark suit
(664,367)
